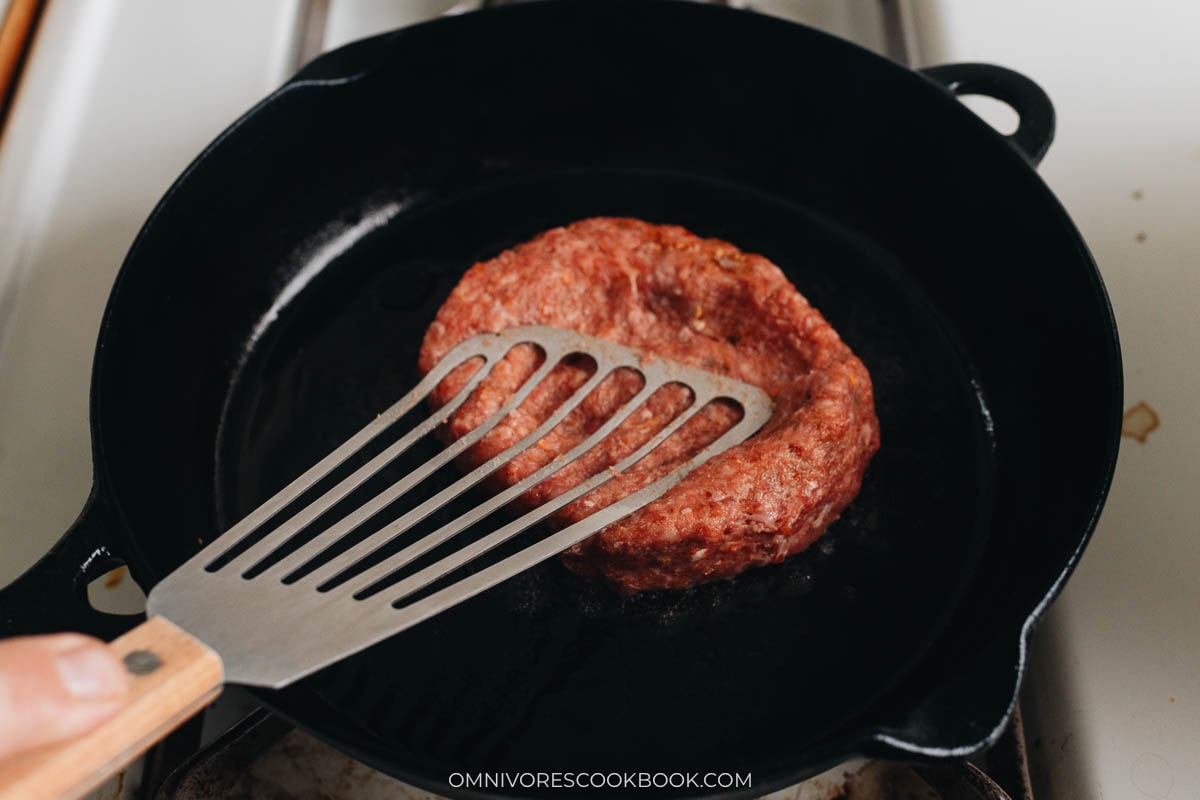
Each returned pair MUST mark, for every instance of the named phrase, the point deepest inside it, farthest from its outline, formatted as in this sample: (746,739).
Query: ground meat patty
(665,291)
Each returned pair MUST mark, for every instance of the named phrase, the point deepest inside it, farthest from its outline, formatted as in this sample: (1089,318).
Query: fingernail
(91,673)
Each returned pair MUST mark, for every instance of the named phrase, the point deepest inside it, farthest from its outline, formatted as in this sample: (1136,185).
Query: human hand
(54,687)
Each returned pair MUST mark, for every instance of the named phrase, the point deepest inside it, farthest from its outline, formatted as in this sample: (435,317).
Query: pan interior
(547,671)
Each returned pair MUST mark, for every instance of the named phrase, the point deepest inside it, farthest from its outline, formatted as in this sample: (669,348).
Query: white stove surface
(1114,689)
(117,98)
(119,95)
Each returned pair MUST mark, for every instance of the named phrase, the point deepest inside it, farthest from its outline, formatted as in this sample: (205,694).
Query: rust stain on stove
(1139,421)
(115,577)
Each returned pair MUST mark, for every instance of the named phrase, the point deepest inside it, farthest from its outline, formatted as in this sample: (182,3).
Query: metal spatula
(253,609)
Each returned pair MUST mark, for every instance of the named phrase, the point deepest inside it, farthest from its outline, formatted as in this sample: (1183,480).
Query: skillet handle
(1035,131)
(172,677)
(51,596)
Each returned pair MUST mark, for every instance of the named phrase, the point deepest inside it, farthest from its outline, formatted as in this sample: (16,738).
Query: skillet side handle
(51,596)
(1035,131)
(172,677)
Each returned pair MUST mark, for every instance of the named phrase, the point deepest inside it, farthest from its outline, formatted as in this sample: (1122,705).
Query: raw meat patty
(665,291)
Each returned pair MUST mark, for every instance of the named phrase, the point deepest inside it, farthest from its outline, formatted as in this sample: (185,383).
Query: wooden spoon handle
(173,676)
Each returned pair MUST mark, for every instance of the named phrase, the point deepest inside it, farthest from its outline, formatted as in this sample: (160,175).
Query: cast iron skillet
(276,298)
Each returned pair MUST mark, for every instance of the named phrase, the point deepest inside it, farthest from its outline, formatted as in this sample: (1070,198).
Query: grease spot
(116,592)
(1151,774)
(1139,421)
(1137,194)
(114,578)
(1141,236)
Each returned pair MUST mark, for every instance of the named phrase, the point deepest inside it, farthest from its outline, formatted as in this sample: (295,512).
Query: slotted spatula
(237,612)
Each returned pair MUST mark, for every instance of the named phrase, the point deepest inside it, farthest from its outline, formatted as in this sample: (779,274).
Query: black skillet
(275,300)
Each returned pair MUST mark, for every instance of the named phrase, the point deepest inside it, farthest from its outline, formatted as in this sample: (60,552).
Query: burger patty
(703,302)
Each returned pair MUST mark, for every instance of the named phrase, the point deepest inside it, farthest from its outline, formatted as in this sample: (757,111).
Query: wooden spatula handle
(173,676)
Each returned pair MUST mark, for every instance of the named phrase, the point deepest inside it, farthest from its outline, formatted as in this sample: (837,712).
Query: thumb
(53,687)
